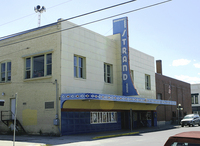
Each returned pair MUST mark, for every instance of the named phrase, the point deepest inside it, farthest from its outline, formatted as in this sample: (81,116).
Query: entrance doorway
(124,120)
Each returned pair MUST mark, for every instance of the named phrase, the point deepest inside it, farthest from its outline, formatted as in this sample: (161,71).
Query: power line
(32,14)
(59,4)
(98,10)
(88,23)
(75,16)
(78,15)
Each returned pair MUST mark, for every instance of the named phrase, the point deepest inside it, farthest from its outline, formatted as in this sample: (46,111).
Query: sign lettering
(121,26)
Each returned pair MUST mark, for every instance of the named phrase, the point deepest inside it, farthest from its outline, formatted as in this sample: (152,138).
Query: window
(147,82)
(5,75)
(194,98)
(79,67)
(38,66)
(108,73)
(49,105)
(103,117)
(159,96)
(132,75)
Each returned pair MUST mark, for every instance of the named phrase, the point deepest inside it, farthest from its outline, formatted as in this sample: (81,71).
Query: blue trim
(107,97)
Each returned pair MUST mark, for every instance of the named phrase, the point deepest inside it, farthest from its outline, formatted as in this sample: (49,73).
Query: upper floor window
(38,66)
(147,82)
(194,98)
(5,68)
(79,67)
(108,73)
(159,96)
(132,75)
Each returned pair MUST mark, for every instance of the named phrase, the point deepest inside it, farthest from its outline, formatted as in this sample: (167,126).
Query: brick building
(174,90)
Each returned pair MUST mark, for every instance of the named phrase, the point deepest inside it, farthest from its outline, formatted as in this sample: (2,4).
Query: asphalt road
(156,138)
(144,139)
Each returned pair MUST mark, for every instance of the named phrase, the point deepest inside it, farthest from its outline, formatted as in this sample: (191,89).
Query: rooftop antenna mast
(39,10)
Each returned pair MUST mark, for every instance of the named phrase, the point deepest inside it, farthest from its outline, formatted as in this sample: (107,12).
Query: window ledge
(38,78)
(5,82)
(108,83)
(81,79)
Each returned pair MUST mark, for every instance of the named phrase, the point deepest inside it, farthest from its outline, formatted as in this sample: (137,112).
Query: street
(157,138)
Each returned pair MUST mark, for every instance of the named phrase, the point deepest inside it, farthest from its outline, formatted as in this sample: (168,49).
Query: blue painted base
(79,122)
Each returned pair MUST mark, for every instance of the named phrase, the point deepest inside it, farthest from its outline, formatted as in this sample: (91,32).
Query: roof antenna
(40,10)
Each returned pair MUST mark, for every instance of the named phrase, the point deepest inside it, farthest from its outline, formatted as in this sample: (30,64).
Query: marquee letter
(124,41)
(124,59)
(125,77)
(124,67)
(124,50)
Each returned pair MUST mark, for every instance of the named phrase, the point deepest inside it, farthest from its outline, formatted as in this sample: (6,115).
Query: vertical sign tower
(121,26)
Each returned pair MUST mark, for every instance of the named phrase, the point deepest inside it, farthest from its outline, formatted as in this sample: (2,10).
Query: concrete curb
(116,135)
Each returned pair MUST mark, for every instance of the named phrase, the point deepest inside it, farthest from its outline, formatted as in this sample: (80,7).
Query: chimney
(159,66)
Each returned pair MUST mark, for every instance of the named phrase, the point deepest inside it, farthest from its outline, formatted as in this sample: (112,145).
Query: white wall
(99,49)
(142,64)
(96,49)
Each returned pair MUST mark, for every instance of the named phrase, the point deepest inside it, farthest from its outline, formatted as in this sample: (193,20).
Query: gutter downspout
(57,121)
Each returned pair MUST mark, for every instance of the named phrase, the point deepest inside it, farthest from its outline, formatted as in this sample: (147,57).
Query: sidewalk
(28,140)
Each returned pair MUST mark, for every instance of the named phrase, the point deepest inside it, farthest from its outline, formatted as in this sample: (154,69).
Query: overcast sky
(169,32)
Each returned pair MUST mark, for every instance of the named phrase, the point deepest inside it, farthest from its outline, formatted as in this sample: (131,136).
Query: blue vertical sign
(121,26)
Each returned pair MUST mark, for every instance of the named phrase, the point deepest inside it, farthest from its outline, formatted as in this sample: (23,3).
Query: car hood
(186,120)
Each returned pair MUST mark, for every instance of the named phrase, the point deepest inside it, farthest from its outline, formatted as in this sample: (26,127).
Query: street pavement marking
(43,145)
(108,136)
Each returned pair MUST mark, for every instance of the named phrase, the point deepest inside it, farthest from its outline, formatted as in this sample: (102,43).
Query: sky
(169,32)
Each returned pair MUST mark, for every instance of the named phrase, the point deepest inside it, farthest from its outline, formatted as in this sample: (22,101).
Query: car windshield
(184,144)
(188,117)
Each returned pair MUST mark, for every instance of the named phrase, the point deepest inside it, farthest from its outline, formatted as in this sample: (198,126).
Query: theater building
(67,79)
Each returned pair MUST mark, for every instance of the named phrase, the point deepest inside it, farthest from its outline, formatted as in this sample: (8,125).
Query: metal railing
(6,115)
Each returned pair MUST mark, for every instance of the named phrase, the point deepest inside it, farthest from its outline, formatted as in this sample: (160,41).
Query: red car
(191,138)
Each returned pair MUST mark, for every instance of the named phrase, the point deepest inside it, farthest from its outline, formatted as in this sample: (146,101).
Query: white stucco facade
(97,50)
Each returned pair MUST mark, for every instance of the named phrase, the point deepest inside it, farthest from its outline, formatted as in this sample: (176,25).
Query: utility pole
(56,120)
(15,119)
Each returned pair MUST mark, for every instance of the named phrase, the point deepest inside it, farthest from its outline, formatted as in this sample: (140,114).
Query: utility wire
(88,23)
(98,10)
(88,12)
(32,14)
(75,16)
(78,15)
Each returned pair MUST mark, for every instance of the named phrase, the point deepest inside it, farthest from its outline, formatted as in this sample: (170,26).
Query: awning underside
(106,105)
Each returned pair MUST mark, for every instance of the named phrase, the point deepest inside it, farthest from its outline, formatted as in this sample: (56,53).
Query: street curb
(43,145)
(108,136)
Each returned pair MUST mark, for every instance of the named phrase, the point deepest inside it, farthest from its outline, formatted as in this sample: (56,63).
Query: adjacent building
(172,90)
(65,79)
(195,90)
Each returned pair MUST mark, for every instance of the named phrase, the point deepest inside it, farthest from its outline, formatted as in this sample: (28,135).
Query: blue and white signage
(121,26)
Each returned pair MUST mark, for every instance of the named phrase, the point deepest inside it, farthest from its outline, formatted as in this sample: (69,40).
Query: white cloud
(188,79)
(197,65)
(180,62)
